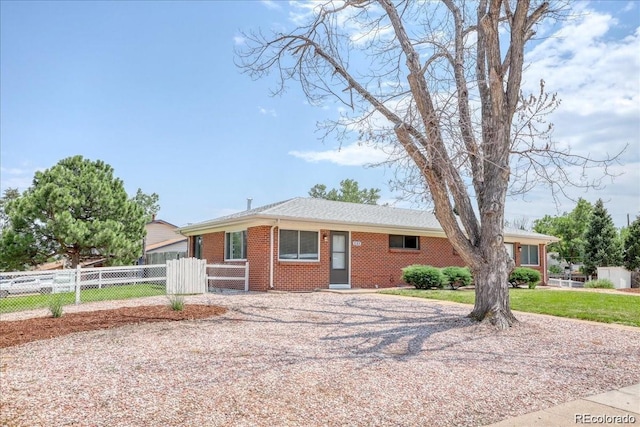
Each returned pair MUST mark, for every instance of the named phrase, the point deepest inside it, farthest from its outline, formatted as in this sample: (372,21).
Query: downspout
(271,262)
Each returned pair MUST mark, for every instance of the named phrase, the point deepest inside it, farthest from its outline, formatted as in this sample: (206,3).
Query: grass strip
(34,301)
(596,306)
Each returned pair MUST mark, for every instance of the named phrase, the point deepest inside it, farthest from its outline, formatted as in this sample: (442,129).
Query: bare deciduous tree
(439,85)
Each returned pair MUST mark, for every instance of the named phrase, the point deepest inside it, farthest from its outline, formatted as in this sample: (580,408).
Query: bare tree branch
(437,86)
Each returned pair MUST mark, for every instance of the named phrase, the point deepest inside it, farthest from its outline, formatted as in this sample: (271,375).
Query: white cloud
(629,7)
(350,155)
(360,31)
(267,112)
(20,178)
(591,74)
(239,40)
(14,171)
(270,4)
(596,78)
(302,11)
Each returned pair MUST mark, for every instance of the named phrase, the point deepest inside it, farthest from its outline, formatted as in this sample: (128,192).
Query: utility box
(620,276)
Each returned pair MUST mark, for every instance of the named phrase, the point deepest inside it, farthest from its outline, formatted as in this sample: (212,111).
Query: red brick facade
(372,262)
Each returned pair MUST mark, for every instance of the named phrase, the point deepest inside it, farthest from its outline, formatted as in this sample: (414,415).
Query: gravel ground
(318,359)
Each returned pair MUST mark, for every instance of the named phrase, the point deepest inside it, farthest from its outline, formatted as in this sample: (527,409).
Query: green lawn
(596,306)
(30,302)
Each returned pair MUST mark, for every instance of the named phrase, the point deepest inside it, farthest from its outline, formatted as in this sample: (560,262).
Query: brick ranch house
(304,244)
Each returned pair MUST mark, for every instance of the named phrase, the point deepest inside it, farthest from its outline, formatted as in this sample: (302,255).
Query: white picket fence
(186,276)
(195,276)
(565,283)
(228,277)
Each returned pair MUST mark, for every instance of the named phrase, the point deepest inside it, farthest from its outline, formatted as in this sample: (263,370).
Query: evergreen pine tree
(602,247)
(76,209)
(631,256)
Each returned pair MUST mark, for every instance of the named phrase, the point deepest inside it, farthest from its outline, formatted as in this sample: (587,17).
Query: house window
(404,242)
(529,255)
(235,245)
(510,250)
(298,245)
(197,247)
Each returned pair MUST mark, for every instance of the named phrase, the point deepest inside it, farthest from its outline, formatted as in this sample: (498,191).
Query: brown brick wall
(258,256)
(302,275)
(213,247)
(373,263)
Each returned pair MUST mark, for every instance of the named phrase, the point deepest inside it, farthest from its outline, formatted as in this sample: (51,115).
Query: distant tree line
(589,237)
(349,191)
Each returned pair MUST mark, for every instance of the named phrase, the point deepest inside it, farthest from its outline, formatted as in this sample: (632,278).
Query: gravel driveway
(317,359)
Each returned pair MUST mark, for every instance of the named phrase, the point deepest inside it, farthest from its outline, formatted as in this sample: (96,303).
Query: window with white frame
(397,241)
(235,245)
(298,245)
(510,250)
(529,255)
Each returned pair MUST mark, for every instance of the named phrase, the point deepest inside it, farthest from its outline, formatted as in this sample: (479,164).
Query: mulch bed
(24,331)
(630,290)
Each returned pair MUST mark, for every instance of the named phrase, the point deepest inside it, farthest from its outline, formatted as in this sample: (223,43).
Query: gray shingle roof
(354,213)
(320,210)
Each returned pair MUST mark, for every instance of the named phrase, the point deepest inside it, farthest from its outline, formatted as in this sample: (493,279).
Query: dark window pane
(227,245)
(244,245)
(235,245)
(396,241)
(288,244)
(197,247)
(308,245)
(411,242)
(529,255)
(404,242)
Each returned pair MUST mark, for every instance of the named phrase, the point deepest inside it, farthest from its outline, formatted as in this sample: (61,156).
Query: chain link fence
(29,290)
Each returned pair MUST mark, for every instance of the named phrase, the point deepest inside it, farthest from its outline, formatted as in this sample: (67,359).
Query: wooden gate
(186,276)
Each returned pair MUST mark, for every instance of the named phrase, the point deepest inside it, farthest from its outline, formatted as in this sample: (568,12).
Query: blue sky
(151,88)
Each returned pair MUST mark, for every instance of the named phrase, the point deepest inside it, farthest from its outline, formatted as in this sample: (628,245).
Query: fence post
(246,276)
(78,278)
(99,279)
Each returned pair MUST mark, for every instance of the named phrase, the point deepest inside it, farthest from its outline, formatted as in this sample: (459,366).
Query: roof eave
(267,219)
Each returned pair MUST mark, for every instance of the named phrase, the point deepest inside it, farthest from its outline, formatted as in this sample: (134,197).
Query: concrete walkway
(617,407)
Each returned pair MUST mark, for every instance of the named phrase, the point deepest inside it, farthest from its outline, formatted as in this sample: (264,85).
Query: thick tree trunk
(492,294)
(75,259)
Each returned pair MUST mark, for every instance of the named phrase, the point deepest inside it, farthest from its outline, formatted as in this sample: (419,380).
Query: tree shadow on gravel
(380,330)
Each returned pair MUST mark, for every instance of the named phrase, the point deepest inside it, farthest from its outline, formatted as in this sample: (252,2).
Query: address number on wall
(357,243)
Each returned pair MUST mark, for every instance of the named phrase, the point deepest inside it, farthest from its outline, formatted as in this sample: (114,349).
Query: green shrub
(524,276)
(176,302)
(55,305)
(554,269)
(600,283)
(423,276)
(457,276)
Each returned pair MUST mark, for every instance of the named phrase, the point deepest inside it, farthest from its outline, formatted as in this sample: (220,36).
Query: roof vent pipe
(249,200)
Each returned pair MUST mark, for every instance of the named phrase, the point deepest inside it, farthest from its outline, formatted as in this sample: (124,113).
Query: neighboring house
(304,244)
(553,258)
(62,264)
(162,237)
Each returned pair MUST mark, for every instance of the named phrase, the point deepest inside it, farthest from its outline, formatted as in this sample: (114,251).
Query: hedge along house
(304,244)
